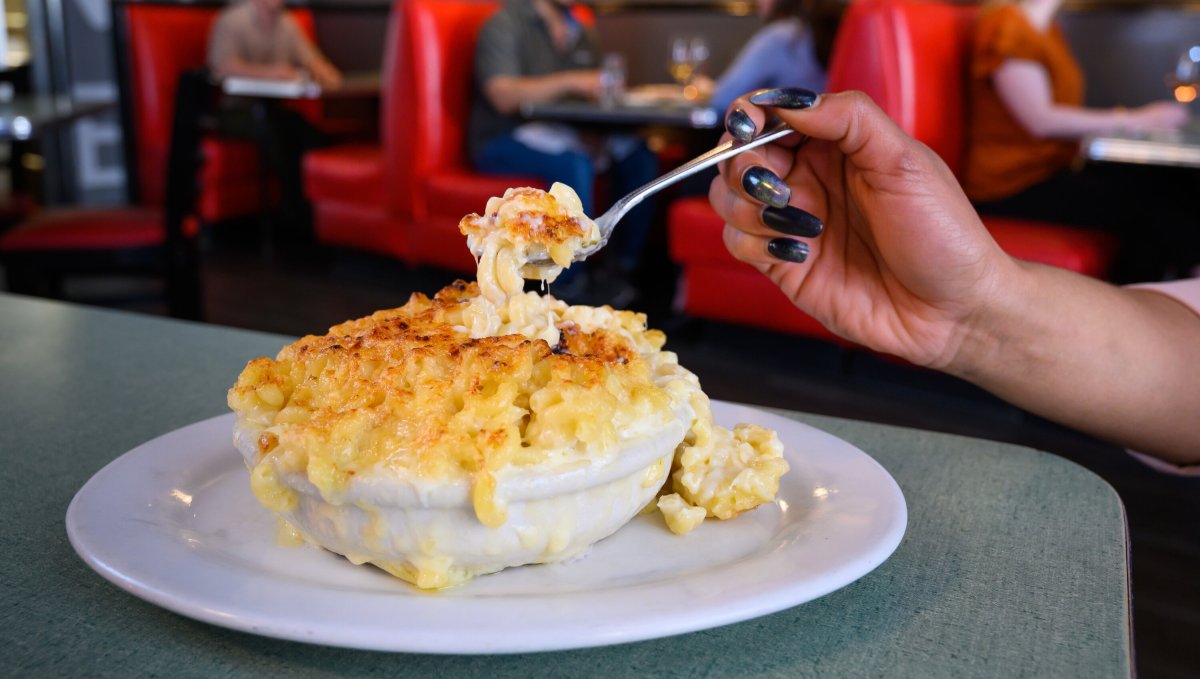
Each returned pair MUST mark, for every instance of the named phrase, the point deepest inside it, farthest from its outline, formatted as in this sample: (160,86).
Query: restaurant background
(70,51)
(1133,44)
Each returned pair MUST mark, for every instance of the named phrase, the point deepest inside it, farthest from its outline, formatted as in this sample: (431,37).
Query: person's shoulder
(235,17)
(777,36)
(1006,20)
(782,31)
(505,21)
(495,44)
(289,23)
(1004,32)
(508,16)
(237,11)
(1003,13)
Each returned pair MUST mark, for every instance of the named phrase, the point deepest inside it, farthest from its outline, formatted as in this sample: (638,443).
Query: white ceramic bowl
(412,525)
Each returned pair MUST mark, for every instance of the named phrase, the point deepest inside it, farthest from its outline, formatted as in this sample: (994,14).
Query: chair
(909,57)
(715,286)
(353,187)
(154,44)
(138,239)
(440,40)
(157,46)
(418,184)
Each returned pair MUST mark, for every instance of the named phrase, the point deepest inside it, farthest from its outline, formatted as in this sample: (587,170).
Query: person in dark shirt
(536,51)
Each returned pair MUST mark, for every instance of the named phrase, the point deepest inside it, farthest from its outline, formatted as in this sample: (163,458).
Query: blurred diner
(791,49)
(1025,121)
(258,39)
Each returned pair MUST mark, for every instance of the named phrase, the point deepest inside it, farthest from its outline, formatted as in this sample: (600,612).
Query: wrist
(564,84)
(1000,321)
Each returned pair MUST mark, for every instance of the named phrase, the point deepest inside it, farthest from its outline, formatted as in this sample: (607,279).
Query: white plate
(173,522)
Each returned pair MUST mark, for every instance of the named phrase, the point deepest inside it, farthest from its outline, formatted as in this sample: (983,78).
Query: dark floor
(306,290)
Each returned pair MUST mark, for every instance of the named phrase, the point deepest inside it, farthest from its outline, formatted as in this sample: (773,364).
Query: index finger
(744,121)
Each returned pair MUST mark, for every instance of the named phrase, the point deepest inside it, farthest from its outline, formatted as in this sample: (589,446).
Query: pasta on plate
(489,427)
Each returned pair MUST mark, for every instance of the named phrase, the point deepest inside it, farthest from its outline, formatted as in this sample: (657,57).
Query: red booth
(406,196)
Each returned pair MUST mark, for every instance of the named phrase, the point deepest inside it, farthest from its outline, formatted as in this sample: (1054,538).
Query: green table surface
(1014,562)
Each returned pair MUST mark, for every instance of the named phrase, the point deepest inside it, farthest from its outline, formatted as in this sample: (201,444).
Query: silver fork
(608,221)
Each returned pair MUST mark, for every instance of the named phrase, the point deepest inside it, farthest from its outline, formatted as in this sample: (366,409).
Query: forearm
(1072,122)
(1026,91)
(1123,365)
(507,94)
(311,59)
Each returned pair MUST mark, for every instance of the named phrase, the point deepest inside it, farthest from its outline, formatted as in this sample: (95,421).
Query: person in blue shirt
(789,51)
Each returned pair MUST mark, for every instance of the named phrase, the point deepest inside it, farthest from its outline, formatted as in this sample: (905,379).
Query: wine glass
(698,54)
(680,65)
(612,79)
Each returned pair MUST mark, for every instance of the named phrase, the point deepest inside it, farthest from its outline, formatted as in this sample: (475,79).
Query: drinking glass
(680,65)
(698,54)
(612,79)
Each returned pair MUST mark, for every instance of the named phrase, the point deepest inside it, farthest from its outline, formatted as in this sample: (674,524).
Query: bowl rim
(513,484)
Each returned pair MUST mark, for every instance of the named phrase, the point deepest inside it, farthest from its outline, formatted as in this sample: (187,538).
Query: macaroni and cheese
(489,427)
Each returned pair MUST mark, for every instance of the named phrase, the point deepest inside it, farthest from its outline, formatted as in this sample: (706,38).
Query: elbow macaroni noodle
(470,392)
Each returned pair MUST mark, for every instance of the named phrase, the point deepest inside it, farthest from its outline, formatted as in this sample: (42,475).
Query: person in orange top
(1026,117)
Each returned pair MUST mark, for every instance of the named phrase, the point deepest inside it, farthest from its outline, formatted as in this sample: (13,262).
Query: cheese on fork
(523,226)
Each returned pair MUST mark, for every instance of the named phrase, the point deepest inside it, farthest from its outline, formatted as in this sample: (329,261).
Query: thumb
(859,129)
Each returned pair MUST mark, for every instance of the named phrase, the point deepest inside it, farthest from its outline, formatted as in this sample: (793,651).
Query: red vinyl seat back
(434,93)
(911,58)
(164,41)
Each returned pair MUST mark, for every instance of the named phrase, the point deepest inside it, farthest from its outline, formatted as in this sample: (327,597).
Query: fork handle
(707,159)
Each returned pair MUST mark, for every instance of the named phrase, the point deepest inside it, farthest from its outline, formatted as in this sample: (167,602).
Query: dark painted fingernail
(765,186)
(788,250)
(740,125)
(792,221)
(785,97)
